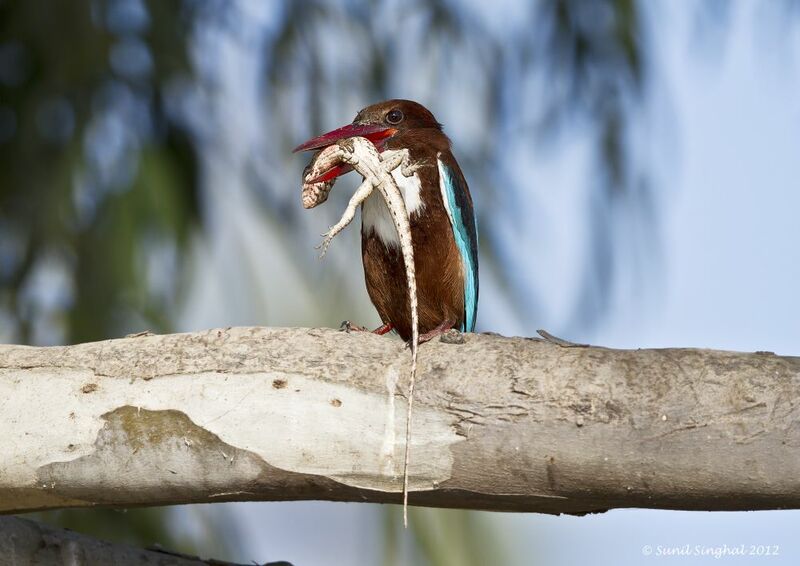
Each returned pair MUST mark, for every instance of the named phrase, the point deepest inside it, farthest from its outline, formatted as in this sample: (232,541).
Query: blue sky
(731,226)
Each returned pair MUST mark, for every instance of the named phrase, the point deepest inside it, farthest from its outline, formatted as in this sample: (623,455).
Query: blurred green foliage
(94,175)
(93,172)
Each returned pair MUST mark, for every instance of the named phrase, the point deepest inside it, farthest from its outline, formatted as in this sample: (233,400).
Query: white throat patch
(376,217)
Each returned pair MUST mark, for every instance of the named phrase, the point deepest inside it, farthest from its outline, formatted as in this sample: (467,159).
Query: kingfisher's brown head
(379,123)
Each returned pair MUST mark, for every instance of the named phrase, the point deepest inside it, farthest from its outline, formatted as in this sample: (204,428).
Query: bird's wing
(458,203)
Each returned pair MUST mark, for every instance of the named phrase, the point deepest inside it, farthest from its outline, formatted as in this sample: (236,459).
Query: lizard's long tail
(408,257)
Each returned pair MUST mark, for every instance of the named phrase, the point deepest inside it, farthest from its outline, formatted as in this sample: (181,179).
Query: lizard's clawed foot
(410,170)
(326,241)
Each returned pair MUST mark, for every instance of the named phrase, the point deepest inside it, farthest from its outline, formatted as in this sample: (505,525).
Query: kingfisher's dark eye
(394,116)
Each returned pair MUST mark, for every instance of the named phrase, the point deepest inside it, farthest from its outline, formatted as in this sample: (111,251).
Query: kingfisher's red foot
(438,331)
(348,326)
(383,329)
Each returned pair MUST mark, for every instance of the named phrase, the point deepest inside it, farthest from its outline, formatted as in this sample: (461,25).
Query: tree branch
(28,542)
(512,424)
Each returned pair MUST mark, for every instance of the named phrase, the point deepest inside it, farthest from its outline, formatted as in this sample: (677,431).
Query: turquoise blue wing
(458,203)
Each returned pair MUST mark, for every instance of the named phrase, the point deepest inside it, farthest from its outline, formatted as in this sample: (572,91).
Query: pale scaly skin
(317,193)
(361,154)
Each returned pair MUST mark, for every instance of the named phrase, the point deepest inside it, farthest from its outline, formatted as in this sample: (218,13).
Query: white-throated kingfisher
(443,228)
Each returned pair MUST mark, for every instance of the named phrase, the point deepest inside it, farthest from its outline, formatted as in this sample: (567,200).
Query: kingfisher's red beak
(376,133)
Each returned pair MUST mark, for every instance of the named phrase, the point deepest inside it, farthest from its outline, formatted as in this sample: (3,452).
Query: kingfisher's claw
(349,327)
(452,336)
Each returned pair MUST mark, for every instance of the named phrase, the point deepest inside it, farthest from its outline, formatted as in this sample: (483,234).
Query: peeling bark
(507,424)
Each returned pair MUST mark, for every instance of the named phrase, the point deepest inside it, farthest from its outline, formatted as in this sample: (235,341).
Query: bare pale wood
(507,424)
